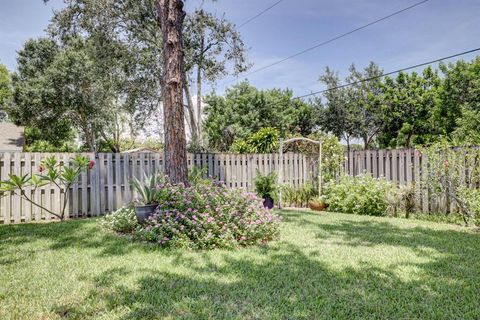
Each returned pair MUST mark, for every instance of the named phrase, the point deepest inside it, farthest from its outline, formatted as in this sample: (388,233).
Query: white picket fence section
(106,187)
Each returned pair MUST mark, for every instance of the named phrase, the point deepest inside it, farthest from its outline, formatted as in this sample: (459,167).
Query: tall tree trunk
(365,142)
(199,103)
(199,89)
(347,139)
(89,138)
(191,110)
(408,142)
(171,20)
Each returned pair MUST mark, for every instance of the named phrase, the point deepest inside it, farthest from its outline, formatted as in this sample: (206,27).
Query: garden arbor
(280,157)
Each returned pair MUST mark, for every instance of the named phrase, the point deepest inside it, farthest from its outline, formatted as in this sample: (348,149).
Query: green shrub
(122,221)
(449,170)
(264,140)
(471,198)
(241,146)
(266,185)
(359,195)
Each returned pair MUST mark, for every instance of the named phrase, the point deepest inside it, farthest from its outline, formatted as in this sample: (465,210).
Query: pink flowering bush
(208,215)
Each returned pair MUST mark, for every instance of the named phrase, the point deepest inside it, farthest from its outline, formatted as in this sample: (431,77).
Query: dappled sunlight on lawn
(323,266)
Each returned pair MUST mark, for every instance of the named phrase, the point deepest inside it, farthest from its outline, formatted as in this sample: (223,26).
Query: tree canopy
(6,90)
(409,109)
(245,110)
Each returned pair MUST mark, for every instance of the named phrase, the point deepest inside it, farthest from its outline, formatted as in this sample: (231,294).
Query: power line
(380,76)
(332,39)
(259,14)
(387,74)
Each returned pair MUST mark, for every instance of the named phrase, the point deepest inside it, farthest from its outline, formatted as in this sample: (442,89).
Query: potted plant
(146,189)
(266,187)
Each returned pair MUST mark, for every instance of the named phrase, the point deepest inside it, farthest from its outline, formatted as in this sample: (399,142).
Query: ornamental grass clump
(208,216)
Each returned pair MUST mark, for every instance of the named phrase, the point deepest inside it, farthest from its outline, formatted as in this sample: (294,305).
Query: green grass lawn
(324,266)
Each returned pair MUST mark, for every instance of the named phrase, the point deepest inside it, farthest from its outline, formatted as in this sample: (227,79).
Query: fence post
(280,172)
(320,167)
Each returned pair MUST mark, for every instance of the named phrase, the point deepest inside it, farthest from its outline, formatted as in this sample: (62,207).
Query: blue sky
(434,29)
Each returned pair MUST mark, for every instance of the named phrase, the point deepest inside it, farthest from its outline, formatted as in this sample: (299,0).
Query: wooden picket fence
(402,167)
(106,187)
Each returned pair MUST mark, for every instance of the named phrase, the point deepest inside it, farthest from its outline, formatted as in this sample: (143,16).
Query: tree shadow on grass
(289,284)
(281,281)
(79,234)
(462,244)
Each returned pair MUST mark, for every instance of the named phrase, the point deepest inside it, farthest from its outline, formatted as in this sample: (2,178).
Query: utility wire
(378,77)
(259,14)
(387,74)
(332,39)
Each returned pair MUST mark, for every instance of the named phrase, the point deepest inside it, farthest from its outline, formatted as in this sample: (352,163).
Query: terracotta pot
(317,206)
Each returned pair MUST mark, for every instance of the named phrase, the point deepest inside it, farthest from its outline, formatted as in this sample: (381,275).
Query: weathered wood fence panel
(402,167)
(106,187)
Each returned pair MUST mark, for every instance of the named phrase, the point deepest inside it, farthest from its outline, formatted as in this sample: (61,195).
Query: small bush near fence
(455,173)
(121,221)
(360,195)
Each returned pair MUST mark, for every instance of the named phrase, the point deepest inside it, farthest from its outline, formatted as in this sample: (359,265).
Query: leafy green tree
(264,140)
(365,99)
(83,85)
(467,131)
(337,113)
(459,107)
(245,110)
(212,47)
(58,92)
(408,106)
(6,91)
(34,98)
(123,43)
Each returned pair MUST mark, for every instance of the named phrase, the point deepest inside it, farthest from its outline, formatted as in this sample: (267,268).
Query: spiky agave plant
(146,187)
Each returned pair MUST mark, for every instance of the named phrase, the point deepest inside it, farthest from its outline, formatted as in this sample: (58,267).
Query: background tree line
(415,108)
(96,74)
(95,77)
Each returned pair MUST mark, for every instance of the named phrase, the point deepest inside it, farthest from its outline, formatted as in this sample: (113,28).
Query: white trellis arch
(280,171)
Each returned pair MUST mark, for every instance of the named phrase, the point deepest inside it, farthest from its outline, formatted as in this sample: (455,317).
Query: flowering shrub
(207,216)
(122,221)
(359,195)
